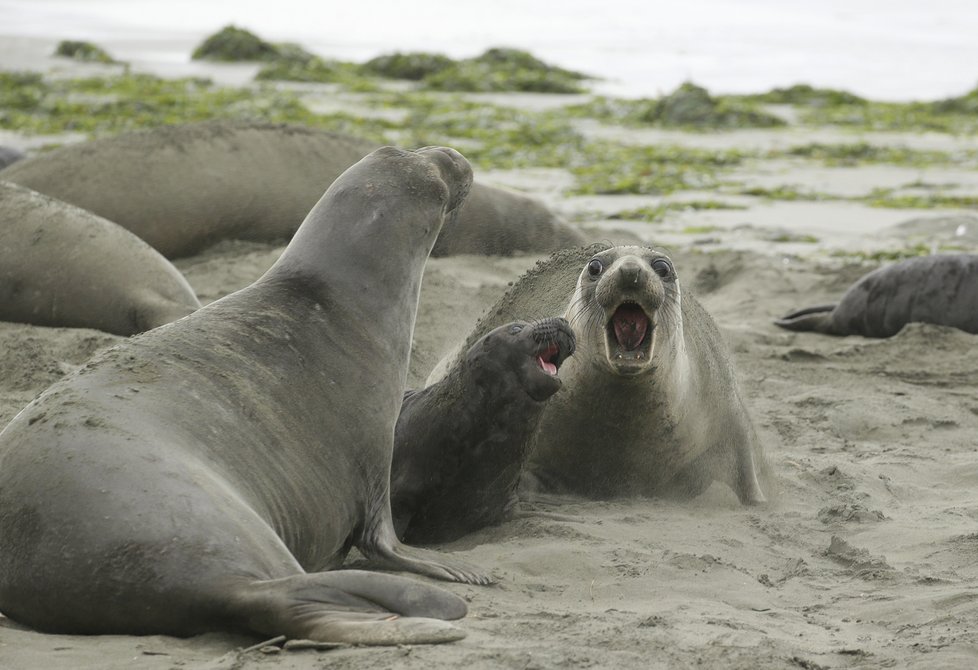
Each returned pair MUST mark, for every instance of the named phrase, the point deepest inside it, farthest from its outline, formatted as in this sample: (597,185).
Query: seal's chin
(630,336)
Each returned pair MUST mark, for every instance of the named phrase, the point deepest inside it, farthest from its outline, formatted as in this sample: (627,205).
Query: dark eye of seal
(515,329)
(595,267)
(662,267)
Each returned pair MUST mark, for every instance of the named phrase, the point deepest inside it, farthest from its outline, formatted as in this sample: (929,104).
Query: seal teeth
(630,325)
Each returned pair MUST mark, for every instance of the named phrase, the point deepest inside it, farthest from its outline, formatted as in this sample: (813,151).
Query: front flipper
(351,607)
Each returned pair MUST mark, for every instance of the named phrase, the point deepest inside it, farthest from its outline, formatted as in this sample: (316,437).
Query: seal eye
(513,330)
(595,267)
(662,267)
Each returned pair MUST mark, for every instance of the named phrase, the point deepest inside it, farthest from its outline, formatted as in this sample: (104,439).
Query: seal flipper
(383,547)
(352,607)
(818,319)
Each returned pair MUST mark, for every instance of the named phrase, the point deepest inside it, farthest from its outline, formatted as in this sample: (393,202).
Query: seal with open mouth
(461,443)
(650,404)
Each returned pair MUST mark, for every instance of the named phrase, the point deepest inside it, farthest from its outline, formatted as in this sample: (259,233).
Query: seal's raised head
(625,294)
(530,354)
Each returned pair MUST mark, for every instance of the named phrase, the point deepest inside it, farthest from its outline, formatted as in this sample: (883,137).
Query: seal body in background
(461,443)
(650,405)
(63,266)
(208,474)
(940,289)
(218,180)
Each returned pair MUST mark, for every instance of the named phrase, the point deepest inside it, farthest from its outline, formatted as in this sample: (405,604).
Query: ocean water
(884,49)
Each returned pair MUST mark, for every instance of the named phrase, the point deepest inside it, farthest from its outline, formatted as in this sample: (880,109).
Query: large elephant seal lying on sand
(64,266)
(650,404)
(941,289)
(201,476)
(461,443)
(182,188)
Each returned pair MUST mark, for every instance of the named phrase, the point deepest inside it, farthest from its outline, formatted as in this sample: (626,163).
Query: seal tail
(351,607)
(817,319)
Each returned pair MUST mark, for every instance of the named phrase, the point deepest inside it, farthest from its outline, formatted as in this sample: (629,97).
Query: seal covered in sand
(650,404)
(461,443)
(181,188)
(63,266)
(203,475)
(941,289)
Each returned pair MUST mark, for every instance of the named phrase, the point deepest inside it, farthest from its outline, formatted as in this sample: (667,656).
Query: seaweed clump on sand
(83,51)
(692,106)
(235,44)
(413,65)
(808,96)
(500,69)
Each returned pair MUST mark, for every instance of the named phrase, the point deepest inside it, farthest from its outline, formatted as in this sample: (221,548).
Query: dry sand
(866,556)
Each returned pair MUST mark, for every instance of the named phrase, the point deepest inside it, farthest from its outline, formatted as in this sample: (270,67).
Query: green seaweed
(699,230)
(863,152)
(783,192)
(231,43)
(611,168)
(414,65)
(887,198)
(884,255)
(689,107)
(505,70)
(807,95)
(83,51)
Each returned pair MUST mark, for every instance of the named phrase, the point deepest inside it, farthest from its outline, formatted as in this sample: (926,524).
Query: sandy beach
(865,555)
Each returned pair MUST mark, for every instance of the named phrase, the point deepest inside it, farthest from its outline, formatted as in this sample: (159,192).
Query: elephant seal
(8,156)
(941,289)
(460,444)
(650,404)
(203,475)
(223,179)
(63,266)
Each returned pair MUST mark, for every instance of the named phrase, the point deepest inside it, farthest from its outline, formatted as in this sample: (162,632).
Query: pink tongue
(549,368)
(630,326)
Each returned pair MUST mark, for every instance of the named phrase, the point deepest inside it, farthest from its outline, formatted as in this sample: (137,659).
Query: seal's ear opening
(817,319)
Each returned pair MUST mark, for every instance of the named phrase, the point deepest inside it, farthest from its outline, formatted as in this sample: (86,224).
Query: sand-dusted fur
(461,443)
(650,404)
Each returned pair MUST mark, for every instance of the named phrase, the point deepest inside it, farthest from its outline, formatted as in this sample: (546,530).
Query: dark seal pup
(460,444)
(63,266)
(941,289)
(650,404)
(184,187)
(203,475)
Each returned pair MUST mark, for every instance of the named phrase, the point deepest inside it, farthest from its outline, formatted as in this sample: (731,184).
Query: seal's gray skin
(182,188)
(64,266)
(941,289)
(649,405)
(8,156)
(202,475)
(460,444)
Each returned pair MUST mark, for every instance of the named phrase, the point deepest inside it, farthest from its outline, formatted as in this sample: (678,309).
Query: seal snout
(556,343)
(455,171)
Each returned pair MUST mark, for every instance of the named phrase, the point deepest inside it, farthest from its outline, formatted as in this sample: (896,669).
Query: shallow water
(884,49)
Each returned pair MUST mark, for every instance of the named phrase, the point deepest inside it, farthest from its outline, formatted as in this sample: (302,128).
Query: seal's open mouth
(630,334)
(549,359)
